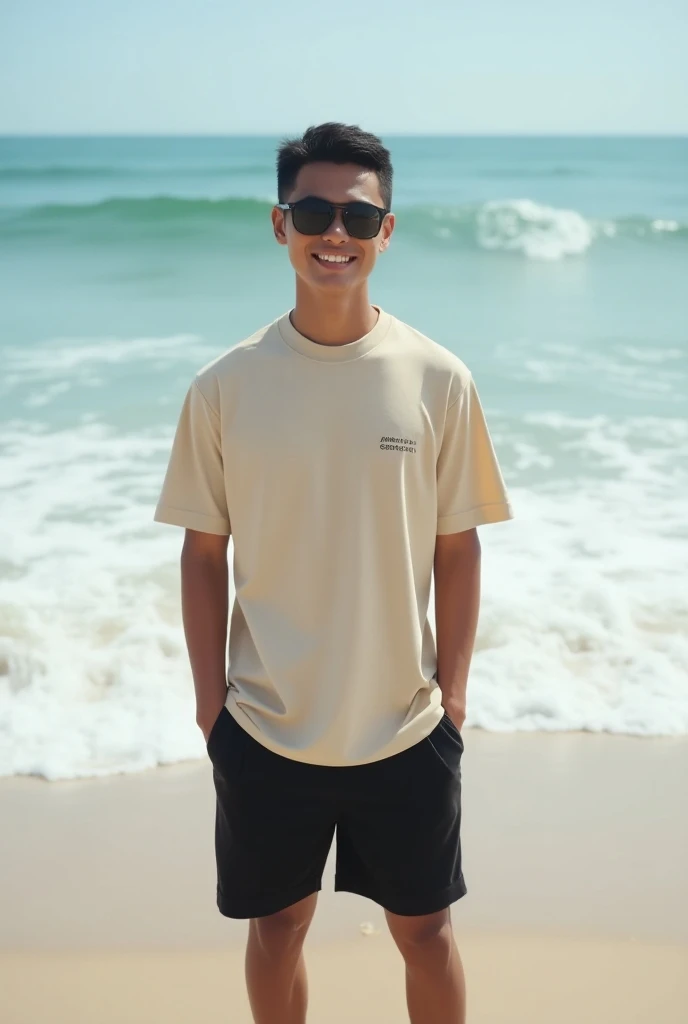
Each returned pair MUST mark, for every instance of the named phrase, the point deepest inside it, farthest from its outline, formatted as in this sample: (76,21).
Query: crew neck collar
(334,353)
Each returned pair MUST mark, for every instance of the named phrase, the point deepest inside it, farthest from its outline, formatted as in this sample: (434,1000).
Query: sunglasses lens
(311,216)
(362,220)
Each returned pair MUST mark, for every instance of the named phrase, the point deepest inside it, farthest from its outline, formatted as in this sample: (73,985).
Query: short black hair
(338,144)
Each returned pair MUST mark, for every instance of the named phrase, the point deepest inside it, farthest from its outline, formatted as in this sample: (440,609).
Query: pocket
(226,746)
(446,745)
(449,722)
(213,731)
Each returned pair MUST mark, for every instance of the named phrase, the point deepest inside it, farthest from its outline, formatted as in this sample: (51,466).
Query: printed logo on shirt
(398,444)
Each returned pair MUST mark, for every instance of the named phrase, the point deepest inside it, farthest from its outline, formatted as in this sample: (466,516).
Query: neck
(333,319)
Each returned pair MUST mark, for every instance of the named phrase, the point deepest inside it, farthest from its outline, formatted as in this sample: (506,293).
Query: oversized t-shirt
(334,468)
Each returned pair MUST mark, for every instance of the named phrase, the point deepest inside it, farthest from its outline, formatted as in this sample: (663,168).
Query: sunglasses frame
(382,212)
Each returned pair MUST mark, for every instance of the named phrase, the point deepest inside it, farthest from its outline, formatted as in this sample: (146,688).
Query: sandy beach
(575,848)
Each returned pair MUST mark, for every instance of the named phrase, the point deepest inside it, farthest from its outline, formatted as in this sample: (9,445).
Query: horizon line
(390,134)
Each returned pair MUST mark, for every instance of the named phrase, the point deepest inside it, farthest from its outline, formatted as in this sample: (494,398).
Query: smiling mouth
(333,261)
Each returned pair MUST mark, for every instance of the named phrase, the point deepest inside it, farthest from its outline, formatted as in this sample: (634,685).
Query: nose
(336,232)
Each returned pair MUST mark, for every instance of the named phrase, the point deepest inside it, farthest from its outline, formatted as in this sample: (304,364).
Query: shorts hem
(429,903)
(263,906)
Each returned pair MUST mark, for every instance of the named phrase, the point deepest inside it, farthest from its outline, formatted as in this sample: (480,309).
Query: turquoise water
(556,268)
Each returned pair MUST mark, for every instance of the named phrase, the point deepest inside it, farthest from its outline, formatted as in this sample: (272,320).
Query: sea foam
(584,616)
(540,232)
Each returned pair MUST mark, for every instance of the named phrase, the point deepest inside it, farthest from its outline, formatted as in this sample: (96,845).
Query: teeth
(334,259)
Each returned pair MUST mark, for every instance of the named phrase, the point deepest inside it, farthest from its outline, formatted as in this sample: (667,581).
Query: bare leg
(275,968)
(435,983)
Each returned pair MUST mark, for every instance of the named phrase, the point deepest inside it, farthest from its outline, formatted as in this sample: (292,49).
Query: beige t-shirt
(333,467)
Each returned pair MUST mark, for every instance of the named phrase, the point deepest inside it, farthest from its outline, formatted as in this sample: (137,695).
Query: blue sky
(237,66)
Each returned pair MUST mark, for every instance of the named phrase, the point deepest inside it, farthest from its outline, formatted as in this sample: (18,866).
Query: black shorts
(397,820)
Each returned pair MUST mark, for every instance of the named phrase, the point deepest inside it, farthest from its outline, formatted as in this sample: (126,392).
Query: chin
(337,284)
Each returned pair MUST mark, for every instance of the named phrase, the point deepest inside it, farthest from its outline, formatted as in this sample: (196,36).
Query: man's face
(337,183)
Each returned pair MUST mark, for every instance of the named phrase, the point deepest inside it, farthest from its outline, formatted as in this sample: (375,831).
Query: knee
(416,935)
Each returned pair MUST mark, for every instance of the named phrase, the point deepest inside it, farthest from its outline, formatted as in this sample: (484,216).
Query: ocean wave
(59,172)
(584,621)
(541,232)
(535,230)
(523,226)
(65,172)
(120,219)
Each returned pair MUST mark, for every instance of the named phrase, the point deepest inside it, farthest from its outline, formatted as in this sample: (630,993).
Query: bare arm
(205,610)
(457,604)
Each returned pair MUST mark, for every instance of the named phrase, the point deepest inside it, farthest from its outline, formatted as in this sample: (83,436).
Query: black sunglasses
(313,216)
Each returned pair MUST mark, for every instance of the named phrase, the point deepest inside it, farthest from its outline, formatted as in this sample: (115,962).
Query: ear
(279,226)
(386,232)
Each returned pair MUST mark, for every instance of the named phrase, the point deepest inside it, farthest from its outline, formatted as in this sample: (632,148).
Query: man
(348,456)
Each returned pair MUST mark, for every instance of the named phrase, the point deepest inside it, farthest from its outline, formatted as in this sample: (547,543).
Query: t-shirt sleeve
(470,486)
(193,492)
